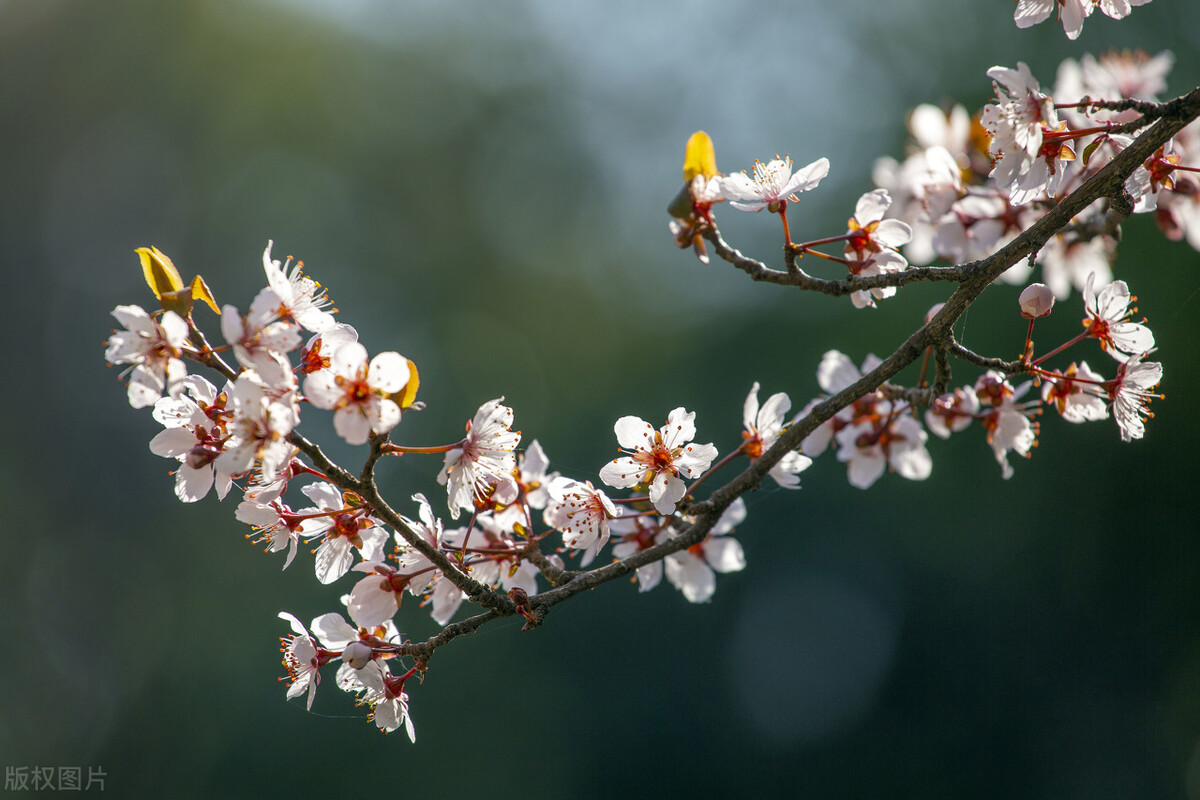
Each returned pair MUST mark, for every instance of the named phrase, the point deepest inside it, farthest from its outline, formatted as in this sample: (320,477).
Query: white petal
(369,606)
(333,631)
(333,560)
(750,408)
(322,390)
(665,492)
(387,416)
(621,473)
(351,425)
(807,177)
(865,470)
(634,433)
(388,372)
(872,206)
(680,428)
(173,442)
(836,371)
(349,359)
(724,554)
(192,484)
(691,576)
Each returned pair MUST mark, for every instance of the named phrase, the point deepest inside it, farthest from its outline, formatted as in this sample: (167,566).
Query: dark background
(482,187)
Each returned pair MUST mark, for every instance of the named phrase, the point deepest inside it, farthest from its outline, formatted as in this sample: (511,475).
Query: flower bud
(933,310)
(1036,301)
(357,654)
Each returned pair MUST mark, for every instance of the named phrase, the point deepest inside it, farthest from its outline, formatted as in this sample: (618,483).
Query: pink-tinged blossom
(154,348)
(886,263)
(1077,394)
(1008,426)
(693,571)
(881,439)
(1119,9)
(1108,313)
(300,298)
(388,701)
(930,179)
(1036,301)
(498,560)
(952,412)
(317,353)
(278,526)
(260,338)
(1021,112)
(1070,264)
(485,457)
(979,225)
(358,392)
(658,457)
(773,183)
(375,598)
(1129,395)
(351,529)
(1115,75)
(835,373)
(706,191)
(1071,12)
(444,600)
(358,647)
(259,429)
(581,512)
(869,232)
(692,210)
(871,245)
(494,555)
(1025,136)
(635,534)
(194,434)
(303,658)
(762,426)
(531,482)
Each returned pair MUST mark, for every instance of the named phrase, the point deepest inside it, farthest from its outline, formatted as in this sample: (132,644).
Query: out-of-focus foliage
(482,187)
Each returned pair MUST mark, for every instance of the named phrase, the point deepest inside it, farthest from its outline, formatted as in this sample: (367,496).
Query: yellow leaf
(161,275)
(200,291)
(699,158)
(408,395)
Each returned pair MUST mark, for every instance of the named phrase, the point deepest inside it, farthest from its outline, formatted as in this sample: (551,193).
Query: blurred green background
(482,187)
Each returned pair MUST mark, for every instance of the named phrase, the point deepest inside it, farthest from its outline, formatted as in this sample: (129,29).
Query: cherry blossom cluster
(878,433)
(967,191)
(969,186)
(1072,13)
(288,351)
(1034,180)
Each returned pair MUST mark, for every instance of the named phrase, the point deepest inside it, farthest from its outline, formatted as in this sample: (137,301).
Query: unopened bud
(1036,301)
(519,596)
(357,654)
(932,312)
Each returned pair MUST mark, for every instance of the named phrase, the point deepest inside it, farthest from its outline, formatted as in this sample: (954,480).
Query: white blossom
(154,348)
(658,457)
(484,458)
(359,392)
(773,182)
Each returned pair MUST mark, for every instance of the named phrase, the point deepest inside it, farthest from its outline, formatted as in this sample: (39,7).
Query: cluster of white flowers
(1072,13)
(964,191)
(968,190)
(875,434)
(242,435)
